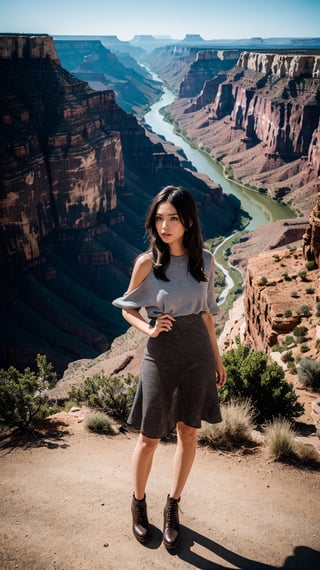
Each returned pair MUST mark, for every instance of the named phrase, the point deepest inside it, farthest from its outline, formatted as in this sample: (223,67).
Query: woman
(174,282)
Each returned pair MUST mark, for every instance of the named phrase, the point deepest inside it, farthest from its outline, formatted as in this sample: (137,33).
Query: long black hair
(183,202)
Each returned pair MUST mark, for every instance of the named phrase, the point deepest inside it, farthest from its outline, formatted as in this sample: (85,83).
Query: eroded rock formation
(279,294)
(207,64)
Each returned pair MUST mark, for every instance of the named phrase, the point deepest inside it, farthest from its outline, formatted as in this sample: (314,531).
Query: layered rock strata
(261,119)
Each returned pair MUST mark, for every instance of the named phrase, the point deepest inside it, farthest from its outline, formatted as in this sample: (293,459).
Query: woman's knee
(187,434)
(147,444)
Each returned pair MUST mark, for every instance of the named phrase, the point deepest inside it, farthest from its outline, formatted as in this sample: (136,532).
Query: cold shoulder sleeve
(141,296)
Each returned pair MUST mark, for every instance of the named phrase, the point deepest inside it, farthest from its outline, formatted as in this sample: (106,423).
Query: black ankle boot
(171,528)
(140,523)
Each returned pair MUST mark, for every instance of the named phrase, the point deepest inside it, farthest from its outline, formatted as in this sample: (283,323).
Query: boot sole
(172,546)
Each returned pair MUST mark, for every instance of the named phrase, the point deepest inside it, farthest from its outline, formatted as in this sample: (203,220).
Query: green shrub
(22,397)
(113,395)
(98,423)
(304,310)
(294,294)
(235,429)
(309,290)
(317,309)
(287,356)
(289,340)
(303,275)
(310,265)
(300,333)
(288,313)
(292,367)
(304,348)
(263,281)
(309,373)
(251,377)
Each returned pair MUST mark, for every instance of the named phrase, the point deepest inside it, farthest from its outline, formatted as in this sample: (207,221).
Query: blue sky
(212,19)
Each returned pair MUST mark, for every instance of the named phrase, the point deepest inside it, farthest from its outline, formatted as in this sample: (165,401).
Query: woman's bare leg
(183,458)
(142,462)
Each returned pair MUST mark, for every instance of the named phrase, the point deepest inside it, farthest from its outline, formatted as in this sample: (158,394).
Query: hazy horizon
(211,19)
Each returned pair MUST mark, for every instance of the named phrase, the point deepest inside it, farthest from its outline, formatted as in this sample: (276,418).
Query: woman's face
(168,225)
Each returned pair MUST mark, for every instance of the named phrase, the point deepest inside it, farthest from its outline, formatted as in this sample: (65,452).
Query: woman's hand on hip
(163,324)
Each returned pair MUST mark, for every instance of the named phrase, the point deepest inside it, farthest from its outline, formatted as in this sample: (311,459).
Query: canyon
(77,174)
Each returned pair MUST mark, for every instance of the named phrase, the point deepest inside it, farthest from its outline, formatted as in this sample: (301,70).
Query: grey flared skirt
(177,380)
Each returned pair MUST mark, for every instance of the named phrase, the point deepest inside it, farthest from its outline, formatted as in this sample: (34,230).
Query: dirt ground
(65,505)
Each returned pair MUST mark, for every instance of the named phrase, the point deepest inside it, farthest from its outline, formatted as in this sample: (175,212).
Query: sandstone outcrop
(279,295)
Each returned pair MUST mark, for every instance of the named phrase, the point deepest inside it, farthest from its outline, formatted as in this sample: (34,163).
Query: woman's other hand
(163,323)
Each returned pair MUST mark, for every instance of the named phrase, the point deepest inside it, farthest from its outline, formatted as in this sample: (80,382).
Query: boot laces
(141,512)
(172,514)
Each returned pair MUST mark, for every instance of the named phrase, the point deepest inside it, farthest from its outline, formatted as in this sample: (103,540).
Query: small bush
(288,313)
(304,310)
(113,395)
(318,309)
(304,348)
(310,290)
(235,429)
(286,277)
(310,265)
(300,333)
(280,439)
(287,356)
(98,423)
(309,373)
(292,367)
(294,294)
(303,275)
(22,394)
(263,281)
(289,340)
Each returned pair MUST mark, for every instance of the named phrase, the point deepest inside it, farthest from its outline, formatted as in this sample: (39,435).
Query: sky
(212,19)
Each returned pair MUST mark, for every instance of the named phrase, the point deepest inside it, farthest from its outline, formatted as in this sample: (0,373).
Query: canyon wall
(91,61)
(260,118)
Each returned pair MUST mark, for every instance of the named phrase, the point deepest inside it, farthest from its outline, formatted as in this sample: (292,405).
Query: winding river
(261,208)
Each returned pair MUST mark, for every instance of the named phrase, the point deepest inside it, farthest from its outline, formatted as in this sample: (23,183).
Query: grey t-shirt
(180,296)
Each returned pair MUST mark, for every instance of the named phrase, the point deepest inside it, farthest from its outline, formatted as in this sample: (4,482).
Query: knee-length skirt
(177,380)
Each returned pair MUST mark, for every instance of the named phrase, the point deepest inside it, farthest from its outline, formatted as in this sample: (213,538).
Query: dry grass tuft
(235,429)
